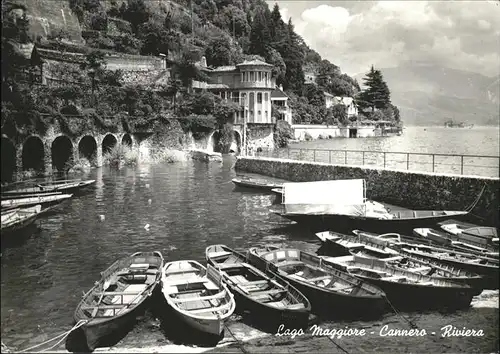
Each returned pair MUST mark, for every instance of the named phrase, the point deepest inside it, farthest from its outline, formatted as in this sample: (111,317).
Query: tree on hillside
(260,35)
(340,113)
(293,57)
(219,52)
(279,70)
(136,13)
(277,28)
(377,94)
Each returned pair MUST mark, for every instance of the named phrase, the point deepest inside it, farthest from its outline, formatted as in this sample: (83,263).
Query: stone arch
(87,148)
(33,154)
(236,143)
(108,143)
(62,153)
(127,140)
(8,156)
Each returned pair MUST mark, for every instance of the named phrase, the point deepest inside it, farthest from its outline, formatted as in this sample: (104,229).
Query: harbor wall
(333,131)
(413,190)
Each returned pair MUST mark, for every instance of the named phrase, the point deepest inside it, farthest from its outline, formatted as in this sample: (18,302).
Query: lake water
(188,206)
(482,141)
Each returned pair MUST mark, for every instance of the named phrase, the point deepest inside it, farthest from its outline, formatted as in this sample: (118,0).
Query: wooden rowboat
(197,295)
(331,291)
(379,252)
(326,205)
(256,184)
(49,187)
(264,295)
(116,298)
(44,200)
(16,219)
(487,267)
(406,290)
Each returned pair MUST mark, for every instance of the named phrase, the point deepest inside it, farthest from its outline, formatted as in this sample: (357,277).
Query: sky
(463,35)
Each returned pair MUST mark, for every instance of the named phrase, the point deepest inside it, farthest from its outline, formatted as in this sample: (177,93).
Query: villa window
(266,97)
(259,98)
(252,76)
(243,99)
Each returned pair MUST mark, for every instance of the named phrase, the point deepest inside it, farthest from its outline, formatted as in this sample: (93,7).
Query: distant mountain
(430,95)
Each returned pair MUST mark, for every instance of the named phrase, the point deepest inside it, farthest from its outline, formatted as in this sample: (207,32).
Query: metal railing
(479,165)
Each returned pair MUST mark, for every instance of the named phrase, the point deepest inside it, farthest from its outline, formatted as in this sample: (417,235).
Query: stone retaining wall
(407,189)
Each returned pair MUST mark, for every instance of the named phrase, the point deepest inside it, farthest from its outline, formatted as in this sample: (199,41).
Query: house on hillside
(249,84)
(348,102)
(328,99)
(309,78)
(280,99)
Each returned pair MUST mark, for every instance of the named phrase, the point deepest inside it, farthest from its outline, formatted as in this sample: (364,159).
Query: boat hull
(420,297)
(490,274)
(97,331)
(212,327)
(331,304)
(255,185)
(346,223)
(267,316)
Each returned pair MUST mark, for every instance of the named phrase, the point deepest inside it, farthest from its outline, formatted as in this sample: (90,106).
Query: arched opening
(87,148)
(33,154)
(215,141)
(127,140)
(235,146)
(62,153)
(8,160)
(108,143)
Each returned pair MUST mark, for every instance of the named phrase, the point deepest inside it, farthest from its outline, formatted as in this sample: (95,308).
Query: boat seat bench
(266,292)
(324,277)
(201,298)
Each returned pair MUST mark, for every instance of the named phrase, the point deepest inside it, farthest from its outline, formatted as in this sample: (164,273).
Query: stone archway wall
(108,142)
(87,149)
(33,154)
(62,153)
(8,156)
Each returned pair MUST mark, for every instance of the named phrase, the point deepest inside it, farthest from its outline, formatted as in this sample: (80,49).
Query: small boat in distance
(254,183)
(44,200)
(197,295)
(41,188)
(404,289)
(116,299)
(331,291)
(265,295)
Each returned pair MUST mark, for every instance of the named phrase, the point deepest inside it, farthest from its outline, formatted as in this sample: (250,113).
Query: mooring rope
(240,345)
(62,336)
(413,325)
(337,345)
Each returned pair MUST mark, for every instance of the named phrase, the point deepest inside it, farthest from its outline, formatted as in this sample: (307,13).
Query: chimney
(204,61)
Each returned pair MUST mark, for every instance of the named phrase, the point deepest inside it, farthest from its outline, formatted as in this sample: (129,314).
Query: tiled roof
(277,93)
(217,86)
(254,62)
(344,100)
(224,68)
